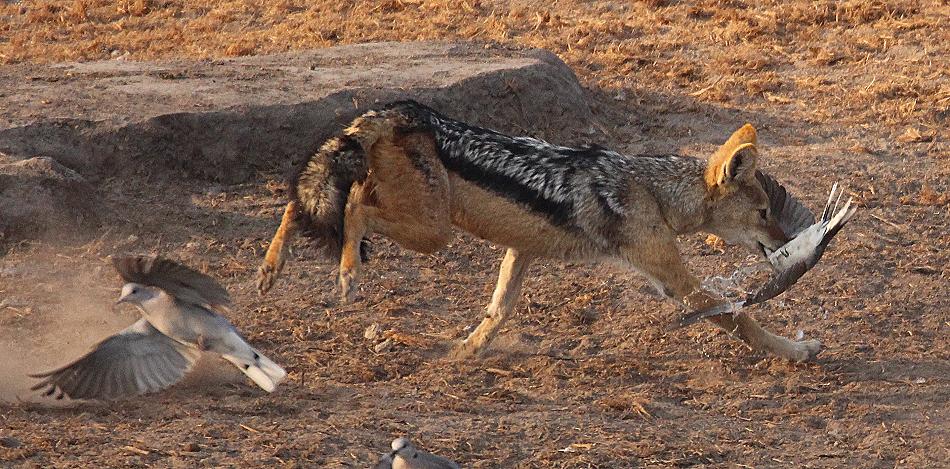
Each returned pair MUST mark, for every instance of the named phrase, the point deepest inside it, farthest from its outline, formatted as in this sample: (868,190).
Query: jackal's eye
(764,213)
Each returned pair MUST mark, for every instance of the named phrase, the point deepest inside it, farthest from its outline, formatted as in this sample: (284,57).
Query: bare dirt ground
(585,375)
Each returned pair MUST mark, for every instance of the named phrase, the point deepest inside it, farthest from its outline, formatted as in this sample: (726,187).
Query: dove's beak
(123,299)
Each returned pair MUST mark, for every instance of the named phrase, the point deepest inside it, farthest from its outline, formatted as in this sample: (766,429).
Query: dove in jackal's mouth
(791,261)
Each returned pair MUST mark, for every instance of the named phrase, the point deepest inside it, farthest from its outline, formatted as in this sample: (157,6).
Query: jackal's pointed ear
(734,160)
(745,134)
(738,165)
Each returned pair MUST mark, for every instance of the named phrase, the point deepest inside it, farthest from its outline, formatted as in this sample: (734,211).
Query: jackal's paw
(805,350)
(266,276)
(347,283)
(464,349)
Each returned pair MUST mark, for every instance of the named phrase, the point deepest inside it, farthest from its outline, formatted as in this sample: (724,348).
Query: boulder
(222,120)
(40,198)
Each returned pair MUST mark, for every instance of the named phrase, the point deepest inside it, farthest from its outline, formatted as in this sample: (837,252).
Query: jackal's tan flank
(410,173)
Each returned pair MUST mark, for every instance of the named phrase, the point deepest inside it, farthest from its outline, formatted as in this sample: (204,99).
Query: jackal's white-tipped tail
(262,370)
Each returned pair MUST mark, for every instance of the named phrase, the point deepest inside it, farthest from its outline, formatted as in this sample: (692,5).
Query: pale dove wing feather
(137,360)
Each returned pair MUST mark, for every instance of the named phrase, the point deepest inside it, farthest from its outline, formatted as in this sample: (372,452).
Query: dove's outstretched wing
(137,360)
(182,282)
(792,216)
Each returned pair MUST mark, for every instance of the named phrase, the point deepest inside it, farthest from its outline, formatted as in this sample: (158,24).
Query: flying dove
(792,260)
(181,316)
(405,456)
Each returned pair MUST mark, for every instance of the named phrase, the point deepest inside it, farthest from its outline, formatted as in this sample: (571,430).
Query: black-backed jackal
(409,173)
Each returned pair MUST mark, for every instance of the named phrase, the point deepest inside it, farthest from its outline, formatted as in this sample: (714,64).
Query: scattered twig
(135,450)
(499,371)
(252,430)
(882,220)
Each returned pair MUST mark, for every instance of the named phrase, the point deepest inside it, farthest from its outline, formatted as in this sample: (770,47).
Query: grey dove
(406,456)
(181,316)
(791,261)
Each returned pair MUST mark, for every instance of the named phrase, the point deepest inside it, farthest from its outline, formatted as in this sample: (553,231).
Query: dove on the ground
(406,456)
(791,261)
(181,316)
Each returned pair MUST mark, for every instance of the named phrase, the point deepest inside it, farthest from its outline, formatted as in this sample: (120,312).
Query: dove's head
(136,293)
(402,447)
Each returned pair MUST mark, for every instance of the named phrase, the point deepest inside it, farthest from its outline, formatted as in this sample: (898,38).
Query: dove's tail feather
(843,215)
(274,371)
(831,204)
(837,222)
(262,370)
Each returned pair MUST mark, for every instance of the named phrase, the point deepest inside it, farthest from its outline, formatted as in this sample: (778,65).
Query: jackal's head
(737,207)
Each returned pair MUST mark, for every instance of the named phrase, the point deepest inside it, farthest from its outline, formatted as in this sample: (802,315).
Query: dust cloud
(55,309)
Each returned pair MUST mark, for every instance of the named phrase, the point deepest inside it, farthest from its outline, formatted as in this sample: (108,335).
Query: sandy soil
(585,375)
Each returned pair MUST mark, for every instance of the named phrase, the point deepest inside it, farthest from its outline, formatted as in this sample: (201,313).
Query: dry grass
(851,61)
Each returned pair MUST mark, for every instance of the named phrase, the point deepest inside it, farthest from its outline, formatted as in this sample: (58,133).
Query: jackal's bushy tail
(319,191)
(322,186)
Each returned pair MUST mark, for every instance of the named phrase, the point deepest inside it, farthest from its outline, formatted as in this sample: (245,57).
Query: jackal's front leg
(662,263)
(741,325)
(503,301)
(277,251)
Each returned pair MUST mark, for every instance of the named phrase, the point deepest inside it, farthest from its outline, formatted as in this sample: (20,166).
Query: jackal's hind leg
(355,228)
(503,301)
(277,250)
